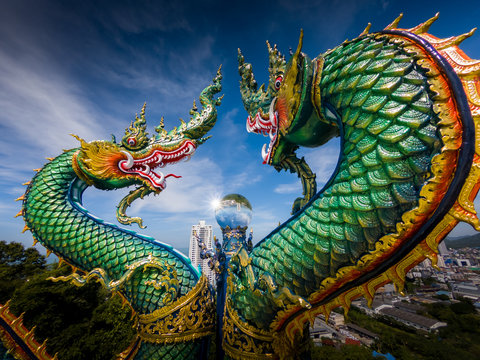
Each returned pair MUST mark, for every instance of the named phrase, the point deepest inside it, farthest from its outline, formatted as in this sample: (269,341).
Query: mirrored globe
(233,210)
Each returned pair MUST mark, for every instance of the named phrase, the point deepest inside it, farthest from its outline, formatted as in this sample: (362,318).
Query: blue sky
(87,67)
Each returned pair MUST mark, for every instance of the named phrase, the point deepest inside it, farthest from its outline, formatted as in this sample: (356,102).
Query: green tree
(17,264)
(345,352)
(79,322)
(465,306)
(459,340)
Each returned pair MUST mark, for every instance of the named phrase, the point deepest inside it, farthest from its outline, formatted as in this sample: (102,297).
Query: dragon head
(289,111)
(137,159)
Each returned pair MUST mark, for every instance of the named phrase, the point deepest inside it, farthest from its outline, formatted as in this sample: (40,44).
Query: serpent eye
(278,82)
(131,141)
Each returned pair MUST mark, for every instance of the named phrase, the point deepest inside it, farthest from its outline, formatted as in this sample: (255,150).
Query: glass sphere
(233,210)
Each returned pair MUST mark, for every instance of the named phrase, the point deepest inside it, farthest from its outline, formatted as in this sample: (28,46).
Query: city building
(466,290)
(410,319)
(205,233)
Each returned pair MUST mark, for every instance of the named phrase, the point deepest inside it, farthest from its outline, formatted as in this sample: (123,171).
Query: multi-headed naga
(406,105)
(173,303)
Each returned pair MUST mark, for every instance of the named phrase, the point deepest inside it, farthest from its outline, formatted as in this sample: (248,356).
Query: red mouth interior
(266,127)
(145,167)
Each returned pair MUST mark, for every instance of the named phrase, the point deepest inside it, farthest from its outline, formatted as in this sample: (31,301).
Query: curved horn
(248,84)
(252,96)
(201,122)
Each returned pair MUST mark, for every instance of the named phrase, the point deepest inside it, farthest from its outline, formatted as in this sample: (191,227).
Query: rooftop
(412,318)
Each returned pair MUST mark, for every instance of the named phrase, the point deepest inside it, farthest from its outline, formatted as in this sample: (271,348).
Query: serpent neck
(53,211)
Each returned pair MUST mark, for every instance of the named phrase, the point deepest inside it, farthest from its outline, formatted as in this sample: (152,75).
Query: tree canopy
(16,265)
(79,322)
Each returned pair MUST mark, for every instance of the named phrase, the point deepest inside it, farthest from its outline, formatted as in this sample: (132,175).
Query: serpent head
(138,158)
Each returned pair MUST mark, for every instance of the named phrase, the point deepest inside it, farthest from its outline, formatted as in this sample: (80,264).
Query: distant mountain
(472,241)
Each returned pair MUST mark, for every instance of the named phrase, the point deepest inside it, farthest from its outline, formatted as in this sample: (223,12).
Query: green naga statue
(407,108)
(173,303)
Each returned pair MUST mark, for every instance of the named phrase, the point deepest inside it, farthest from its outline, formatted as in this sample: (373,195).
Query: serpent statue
(406,105)
(174,304)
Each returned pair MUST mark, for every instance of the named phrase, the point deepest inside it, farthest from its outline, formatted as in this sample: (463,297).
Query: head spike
(25,229)
(37,170)
(366,30)
(394,23)
(20,213)
(300,45)
(194,108)
(35,242)
(183,124)
(138,131)
(423,27)
(21,198)
(49,158)
(49,252)
(82,142)
(26,183)
(218,102)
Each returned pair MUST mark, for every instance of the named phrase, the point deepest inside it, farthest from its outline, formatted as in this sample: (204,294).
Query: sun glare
(215,203)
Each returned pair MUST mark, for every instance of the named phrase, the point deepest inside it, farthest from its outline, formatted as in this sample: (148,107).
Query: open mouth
(266,126)
(147,167)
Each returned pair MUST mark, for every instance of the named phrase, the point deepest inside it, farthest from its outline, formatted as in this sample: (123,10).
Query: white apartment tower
(205,233)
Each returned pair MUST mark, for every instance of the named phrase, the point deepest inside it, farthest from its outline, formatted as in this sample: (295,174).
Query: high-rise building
(205,233)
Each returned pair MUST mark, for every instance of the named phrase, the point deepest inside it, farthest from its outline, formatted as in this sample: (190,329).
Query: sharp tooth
(264,152)
(270,133)
(161,177)
(248,127)
(126,164)
(271,114)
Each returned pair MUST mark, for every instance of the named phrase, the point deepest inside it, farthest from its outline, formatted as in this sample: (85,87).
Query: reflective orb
(233,210)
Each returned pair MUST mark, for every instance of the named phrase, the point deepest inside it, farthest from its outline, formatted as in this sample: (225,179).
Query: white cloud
(244,179)
(226,124)
(292,188)
(323,160)
(201,181)
(40,108)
